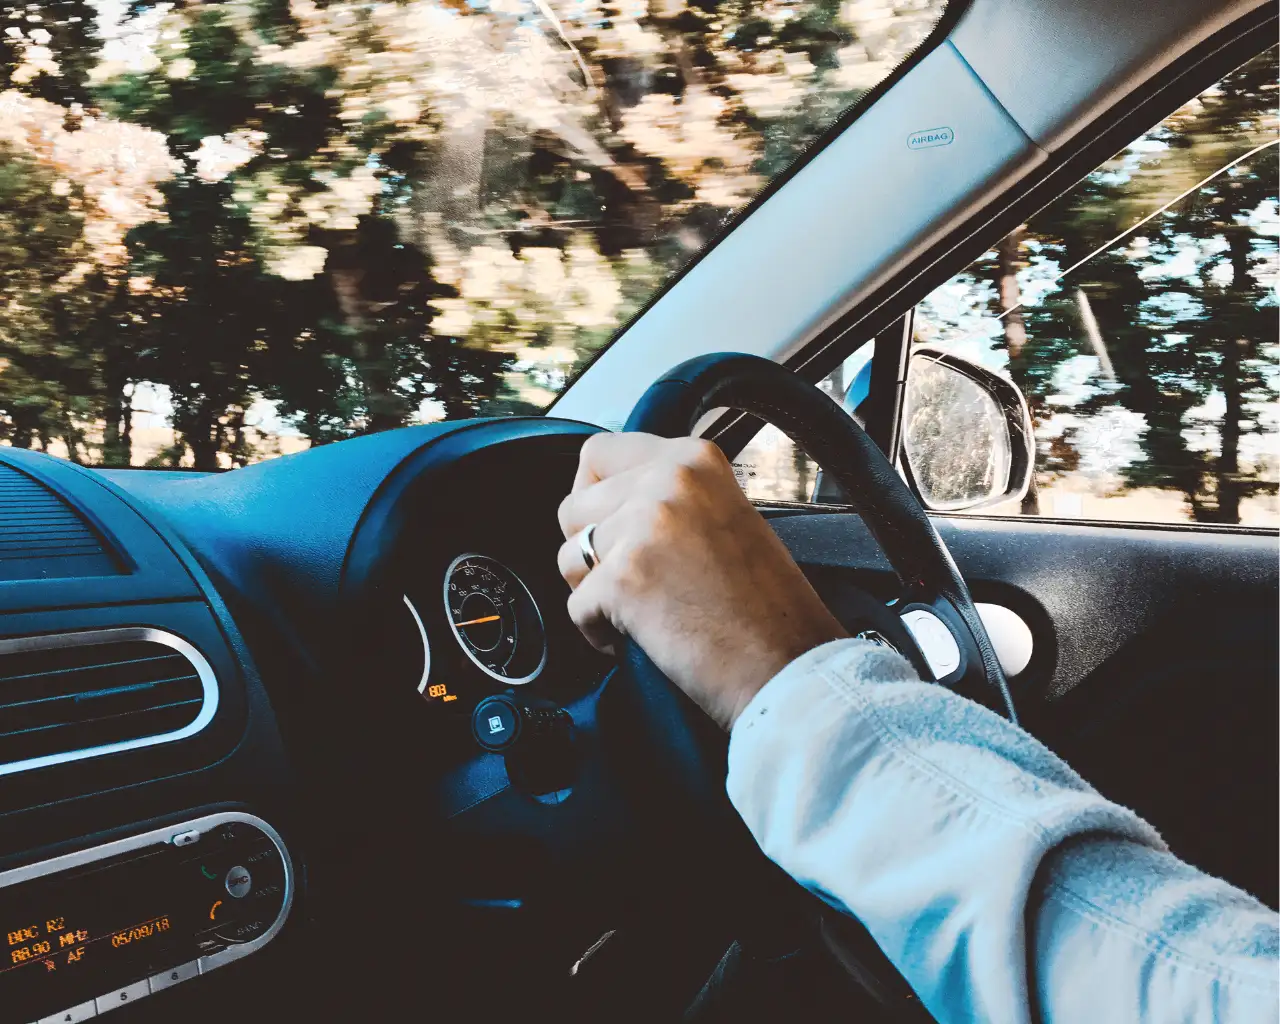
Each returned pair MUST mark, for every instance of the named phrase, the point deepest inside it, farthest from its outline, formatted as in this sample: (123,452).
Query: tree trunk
(202,437)
(116,434)
(239,441)
(72,437)
(1009,254)
(386,408)
(126,431)
(24,431)
(1227,468)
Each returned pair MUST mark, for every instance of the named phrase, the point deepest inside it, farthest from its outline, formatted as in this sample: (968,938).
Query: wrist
(761,666)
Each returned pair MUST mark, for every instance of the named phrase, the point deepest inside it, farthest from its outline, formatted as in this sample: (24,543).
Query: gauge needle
(476,622)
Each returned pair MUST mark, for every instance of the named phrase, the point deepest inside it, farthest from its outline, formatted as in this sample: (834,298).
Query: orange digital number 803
(438,690)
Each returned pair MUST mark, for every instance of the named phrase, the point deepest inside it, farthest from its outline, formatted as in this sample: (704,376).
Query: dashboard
(221,695)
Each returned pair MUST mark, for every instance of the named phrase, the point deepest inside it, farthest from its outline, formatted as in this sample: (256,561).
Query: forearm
(944,830)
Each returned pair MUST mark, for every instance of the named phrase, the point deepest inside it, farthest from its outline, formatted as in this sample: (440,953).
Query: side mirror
(967,437)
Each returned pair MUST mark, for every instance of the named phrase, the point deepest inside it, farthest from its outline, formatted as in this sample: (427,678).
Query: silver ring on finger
(588,548)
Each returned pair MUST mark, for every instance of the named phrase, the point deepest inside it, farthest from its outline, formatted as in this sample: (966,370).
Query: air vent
(77,695)
(42,537)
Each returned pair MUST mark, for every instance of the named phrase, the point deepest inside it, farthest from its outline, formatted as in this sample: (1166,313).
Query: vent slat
(105,718)
(25,547)
(48,538)
(58,712)
(51,530)
(106,691)
(42,536)
(67,698)
(167,655)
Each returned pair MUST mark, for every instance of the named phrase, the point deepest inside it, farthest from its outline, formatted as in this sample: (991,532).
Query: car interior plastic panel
(1084,589)
(157,585)
(1012,44)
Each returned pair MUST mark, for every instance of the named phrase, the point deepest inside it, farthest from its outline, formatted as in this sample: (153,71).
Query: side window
(771,468)
(1138,315)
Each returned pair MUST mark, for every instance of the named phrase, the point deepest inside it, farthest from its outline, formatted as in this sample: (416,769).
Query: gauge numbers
(495,619)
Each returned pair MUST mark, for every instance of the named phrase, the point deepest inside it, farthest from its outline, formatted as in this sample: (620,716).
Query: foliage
(348,216)
(1176,324)
(48,298)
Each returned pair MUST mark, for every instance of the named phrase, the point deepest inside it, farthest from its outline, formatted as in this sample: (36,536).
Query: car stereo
(99,928)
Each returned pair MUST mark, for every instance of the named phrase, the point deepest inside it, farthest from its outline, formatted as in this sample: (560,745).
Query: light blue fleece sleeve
(1001,885)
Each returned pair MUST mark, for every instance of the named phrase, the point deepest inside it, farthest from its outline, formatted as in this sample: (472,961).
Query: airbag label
(930,137)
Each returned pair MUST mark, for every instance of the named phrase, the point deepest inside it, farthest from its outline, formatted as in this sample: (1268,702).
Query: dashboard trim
(121,634)
(426,645)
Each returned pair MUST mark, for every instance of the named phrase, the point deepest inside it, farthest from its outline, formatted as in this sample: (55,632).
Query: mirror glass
(955,437)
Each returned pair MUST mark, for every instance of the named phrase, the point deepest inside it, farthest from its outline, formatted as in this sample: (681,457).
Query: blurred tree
(1180,317)
(1210,375)
(48,48)
(48,377)
(204,309)
(321,305)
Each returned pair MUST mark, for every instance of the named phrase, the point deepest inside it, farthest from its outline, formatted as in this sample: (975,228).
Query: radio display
(65,936)
(80,934)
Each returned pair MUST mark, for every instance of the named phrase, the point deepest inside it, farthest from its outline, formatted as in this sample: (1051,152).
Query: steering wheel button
(935,641)
(238,882)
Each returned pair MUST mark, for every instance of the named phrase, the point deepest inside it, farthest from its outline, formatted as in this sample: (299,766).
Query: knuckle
(701,454)
(628,569)
(683,479)
(664,517)
(564,513)
(564,563)
(594,448)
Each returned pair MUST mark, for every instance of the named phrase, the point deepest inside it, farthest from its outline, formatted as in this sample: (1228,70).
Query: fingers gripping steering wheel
(936,605)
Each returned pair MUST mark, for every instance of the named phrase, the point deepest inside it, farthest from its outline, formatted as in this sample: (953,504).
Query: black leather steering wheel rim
(677,401)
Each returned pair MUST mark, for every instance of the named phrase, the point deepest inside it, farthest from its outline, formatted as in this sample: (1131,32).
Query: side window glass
(771,468)
(1138,315)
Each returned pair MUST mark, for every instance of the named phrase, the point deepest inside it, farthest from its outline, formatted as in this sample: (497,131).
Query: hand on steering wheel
(687,569)
(692,574)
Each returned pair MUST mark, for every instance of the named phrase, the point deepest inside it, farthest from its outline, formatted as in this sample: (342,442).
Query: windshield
(230,231)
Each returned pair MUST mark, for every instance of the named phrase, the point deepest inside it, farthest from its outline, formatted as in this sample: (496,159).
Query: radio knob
(238,882)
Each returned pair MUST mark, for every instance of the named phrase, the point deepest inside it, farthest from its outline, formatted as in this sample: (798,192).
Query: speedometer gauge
(495,619)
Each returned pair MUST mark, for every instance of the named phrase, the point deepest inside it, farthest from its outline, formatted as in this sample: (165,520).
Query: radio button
(267,854)
(236,932)
(72,1016)
(128,994)
(239,882)
(167,979)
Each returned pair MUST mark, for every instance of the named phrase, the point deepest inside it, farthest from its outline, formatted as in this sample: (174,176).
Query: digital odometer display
(495,619)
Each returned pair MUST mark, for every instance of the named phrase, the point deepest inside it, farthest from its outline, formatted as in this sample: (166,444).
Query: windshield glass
(234,230)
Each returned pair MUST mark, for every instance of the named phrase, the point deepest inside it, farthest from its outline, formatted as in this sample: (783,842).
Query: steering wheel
(672,758)
(944,632)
